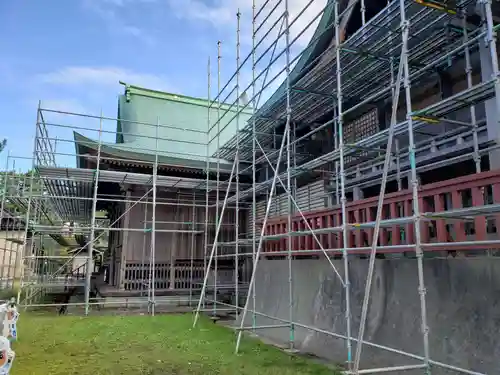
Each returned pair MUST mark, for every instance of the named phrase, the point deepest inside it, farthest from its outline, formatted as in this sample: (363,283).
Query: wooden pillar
(113,248)
(459,227)
(124,245)
(174,245)
(479,221)
(395,229)
(441,233)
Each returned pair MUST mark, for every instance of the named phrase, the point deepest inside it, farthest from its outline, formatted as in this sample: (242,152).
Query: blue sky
(71,54)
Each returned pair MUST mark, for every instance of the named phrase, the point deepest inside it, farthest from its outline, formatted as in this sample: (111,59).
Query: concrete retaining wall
(463,308)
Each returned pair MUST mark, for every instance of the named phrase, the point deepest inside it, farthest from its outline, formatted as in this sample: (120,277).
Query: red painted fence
(468,191)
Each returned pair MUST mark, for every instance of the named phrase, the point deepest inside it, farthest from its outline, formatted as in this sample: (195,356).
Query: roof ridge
(176,97)
(166,93)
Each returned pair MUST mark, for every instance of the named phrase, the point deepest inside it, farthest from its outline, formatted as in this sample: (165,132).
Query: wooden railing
(443,234)
(185,276)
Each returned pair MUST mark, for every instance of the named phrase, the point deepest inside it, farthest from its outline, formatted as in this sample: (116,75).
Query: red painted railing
(469,191)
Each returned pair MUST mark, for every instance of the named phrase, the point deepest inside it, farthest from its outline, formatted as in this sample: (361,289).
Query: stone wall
(463,309)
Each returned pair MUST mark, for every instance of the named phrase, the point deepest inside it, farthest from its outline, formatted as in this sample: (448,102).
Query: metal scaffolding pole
(21,255)
(152,264)
(254,167)
(468,72)
(207,172)
(27,252)
(143,255)
(336,146)
(212,253)
(173,246)
(193,242)
(39,263)
(90,248)
(2,212)
(153,218)
(288,169)
(259,247)
(343,199)
(491,37)
(237,161)
(218,219)
(28,209)
(405,29)
(393,95)
(380,204)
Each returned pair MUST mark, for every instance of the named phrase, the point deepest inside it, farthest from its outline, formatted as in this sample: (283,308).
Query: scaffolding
(216,214)
(391,50)
(74,209)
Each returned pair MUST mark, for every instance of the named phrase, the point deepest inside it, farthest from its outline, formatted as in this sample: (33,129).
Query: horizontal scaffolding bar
(263,327)
(386,369)
(155,125)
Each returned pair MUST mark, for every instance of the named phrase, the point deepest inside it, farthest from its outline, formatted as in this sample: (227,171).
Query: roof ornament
(243,98)
(127,93)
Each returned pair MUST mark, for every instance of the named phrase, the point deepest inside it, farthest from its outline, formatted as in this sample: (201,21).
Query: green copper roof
(181,131)
(188,115)
(131,90)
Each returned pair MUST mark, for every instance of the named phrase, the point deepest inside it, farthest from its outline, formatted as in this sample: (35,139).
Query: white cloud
(103,76)
(217,15)
(107,11)
(222,13)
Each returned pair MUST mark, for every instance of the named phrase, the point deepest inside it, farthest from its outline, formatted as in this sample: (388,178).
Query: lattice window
(362,127)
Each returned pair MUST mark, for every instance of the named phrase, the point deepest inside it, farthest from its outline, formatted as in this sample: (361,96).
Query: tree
(17,190)
(3,144)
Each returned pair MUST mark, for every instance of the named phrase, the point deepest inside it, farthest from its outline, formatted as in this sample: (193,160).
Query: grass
(160,345)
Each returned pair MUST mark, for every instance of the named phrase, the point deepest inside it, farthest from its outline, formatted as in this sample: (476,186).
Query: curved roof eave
(319,43)
(118,151)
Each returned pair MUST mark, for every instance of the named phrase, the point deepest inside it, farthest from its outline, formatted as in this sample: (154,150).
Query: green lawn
(161,345)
